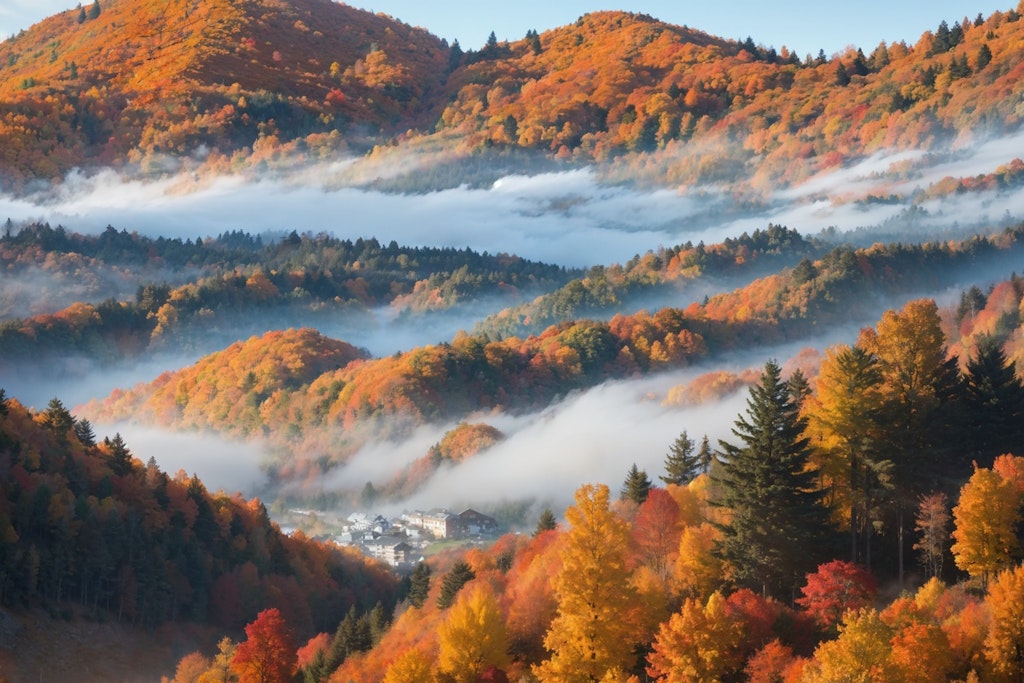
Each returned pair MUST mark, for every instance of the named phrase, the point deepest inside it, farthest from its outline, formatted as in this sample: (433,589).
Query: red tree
(268,653)
(837,586)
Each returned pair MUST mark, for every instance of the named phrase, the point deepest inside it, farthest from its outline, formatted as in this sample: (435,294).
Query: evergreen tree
(58,420)
(547,522)
(842,75)
(3,402)
(84,432)
(636,487)
(705,456)
(682,465)
(994,401)
(419,585)
(120,456)
(81,15)
(458,576)
(94,11)
(455,55)
(779,529)
(983,58)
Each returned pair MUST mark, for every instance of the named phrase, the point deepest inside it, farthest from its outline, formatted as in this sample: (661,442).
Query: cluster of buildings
(401,541)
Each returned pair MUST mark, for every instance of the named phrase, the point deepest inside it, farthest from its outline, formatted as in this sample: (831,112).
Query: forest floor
(36,647)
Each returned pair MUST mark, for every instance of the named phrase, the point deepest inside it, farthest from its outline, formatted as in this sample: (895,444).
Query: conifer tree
(994,401)
(94,11)
(778,528)
(637,485)
(419,585)
(120,456)
(458,576)
(682,465)
(547,522)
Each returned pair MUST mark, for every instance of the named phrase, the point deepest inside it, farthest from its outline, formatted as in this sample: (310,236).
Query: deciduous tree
(985,524)
(268,654)
(592,633)
(473,636)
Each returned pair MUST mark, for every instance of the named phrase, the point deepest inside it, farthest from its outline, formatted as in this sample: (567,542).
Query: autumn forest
(249,289)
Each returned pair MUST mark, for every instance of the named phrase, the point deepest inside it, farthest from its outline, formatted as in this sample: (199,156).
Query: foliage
(473,636)
(125,540)
(591,633)
(835,588)
(267,655)
(985,524)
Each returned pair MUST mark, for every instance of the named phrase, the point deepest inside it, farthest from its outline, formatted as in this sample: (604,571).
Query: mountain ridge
(234,85)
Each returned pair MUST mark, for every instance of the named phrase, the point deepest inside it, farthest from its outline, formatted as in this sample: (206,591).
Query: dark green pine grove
(771,493)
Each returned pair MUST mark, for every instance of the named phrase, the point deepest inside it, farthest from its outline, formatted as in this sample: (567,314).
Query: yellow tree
(592,633)
(698,570)
(412,666)
(697,644)
(860,653)
(916,380)
(473,636)
(842,420)
(1004,646)
(985,522)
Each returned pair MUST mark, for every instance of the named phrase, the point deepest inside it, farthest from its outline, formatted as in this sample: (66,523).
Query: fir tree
(547,522)
(994,400)
(636,487)
(94,11)
(682,465)
(81,15)
(120,456)
(419,585)
(459,575)
(765,482)
(84,432)
(705,455)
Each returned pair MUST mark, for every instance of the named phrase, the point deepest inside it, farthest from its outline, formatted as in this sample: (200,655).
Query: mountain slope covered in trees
(246,84)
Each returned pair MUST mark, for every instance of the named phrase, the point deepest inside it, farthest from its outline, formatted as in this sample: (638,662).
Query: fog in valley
(568,218)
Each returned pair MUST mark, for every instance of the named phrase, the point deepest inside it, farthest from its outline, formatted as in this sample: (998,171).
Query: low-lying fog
(567,218)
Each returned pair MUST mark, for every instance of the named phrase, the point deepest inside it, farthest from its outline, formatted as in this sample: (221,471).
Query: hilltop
(235,85)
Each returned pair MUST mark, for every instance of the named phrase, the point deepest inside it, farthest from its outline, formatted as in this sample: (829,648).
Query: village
(400,541)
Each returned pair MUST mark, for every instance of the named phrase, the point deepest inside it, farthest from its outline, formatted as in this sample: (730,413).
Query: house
(476,523)
(391,549)
(442,524)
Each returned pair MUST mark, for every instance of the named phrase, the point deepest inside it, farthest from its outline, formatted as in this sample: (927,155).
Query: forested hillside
(320,419)
(892,507)
(237,85)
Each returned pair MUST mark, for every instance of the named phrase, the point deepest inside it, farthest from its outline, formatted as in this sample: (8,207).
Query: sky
(802,26)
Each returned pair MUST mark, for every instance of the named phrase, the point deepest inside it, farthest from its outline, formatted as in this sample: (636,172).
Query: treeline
(86,526)
(234,282)
(473,372)
(670,273)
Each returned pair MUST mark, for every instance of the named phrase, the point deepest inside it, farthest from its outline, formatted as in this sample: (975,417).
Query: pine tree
(94,11)
(682,465)
(547,522)
(995,403)
(636,487)
(705,455)
(81,15)
(458,576)
(419,585)
(84,432)
(771,493)
(120,456)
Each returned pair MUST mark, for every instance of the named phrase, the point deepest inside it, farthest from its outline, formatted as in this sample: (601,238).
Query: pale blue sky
(805,26)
